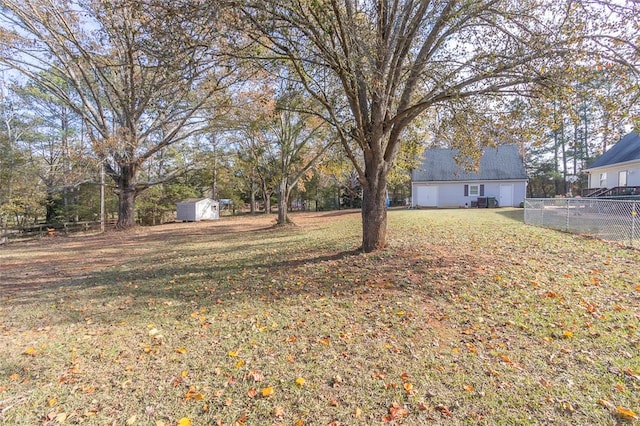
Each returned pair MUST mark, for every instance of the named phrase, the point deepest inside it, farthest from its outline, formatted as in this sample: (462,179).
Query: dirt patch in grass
(467,317)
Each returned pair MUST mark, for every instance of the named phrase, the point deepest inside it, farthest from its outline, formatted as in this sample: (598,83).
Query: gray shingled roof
(626,149)
(500,163)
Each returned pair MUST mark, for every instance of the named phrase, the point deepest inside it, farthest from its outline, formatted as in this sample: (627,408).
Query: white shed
(195,209)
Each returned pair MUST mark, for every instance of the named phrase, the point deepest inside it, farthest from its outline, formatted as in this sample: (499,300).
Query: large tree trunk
(266,197)
(51,208)
(283,198)
(374,210)
(126,197)
(252,196)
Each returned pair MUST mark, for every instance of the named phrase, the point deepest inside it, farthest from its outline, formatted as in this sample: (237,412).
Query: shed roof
(500,163)
(626,149)
(192,200)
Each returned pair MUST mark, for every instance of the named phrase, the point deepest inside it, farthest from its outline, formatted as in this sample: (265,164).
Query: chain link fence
(610,220)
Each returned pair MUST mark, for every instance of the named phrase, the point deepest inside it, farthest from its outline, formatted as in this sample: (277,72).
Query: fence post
(634,215)
(566,225)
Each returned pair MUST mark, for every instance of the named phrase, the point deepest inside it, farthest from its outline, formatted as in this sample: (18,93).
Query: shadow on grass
(516,214)
(221,265)
(121,293)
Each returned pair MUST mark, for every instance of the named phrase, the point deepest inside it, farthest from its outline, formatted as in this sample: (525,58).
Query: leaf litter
(467,316)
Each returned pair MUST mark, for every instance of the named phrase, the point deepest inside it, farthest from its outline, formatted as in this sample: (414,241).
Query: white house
(196,209)
(617,171)
(441,182)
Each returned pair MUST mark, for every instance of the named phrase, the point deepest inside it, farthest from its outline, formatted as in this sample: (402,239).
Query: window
(603,180)
(474,190)
(622,178)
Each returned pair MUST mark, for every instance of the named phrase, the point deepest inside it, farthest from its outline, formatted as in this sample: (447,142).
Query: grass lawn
(468,317)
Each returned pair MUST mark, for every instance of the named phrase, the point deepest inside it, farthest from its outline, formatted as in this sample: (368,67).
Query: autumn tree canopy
(394,60)
(139,72)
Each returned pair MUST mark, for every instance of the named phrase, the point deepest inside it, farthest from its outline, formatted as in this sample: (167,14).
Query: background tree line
(313,104)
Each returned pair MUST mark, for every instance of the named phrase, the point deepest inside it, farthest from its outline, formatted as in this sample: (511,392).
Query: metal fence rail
(610,220)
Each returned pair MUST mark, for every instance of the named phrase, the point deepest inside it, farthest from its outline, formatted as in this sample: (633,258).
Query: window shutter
(482,190)
(466,190)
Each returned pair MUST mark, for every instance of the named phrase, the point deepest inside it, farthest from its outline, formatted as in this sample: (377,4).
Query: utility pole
(102,196)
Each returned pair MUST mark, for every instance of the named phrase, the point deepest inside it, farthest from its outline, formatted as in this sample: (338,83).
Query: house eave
(471,180)
(612,165)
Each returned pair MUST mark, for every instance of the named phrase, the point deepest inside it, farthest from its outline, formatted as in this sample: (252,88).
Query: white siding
(194,211)
(612,175)
(451,194)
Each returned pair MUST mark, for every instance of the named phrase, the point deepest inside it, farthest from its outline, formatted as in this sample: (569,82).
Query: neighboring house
(617,171)
(441,182)
(195,209)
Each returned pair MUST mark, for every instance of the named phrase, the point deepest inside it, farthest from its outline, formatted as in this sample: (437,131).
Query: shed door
(506,195)
(426,196)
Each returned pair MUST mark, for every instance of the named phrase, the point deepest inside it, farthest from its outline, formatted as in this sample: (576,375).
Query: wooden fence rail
(21,233)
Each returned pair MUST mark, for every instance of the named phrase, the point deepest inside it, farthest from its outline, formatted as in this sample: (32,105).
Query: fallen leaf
(255,375)
(336,381)
(408,387)
(181,350)
(443,410)
(300,381)
(395,412)
(267,391)
(52,402)
(567,406)
(606,404)
(30,351)
(626,414)
(278,411)
(185,421)
(193,394)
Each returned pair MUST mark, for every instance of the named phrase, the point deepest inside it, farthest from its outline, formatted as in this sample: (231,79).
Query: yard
(469,317)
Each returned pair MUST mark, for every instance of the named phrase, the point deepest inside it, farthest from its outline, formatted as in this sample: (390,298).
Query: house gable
(625,150)
(500,163)
(441,182)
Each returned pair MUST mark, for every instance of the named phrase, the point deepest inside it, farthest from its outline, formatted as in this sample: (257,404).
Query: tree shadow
(513,214)
(113,281)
